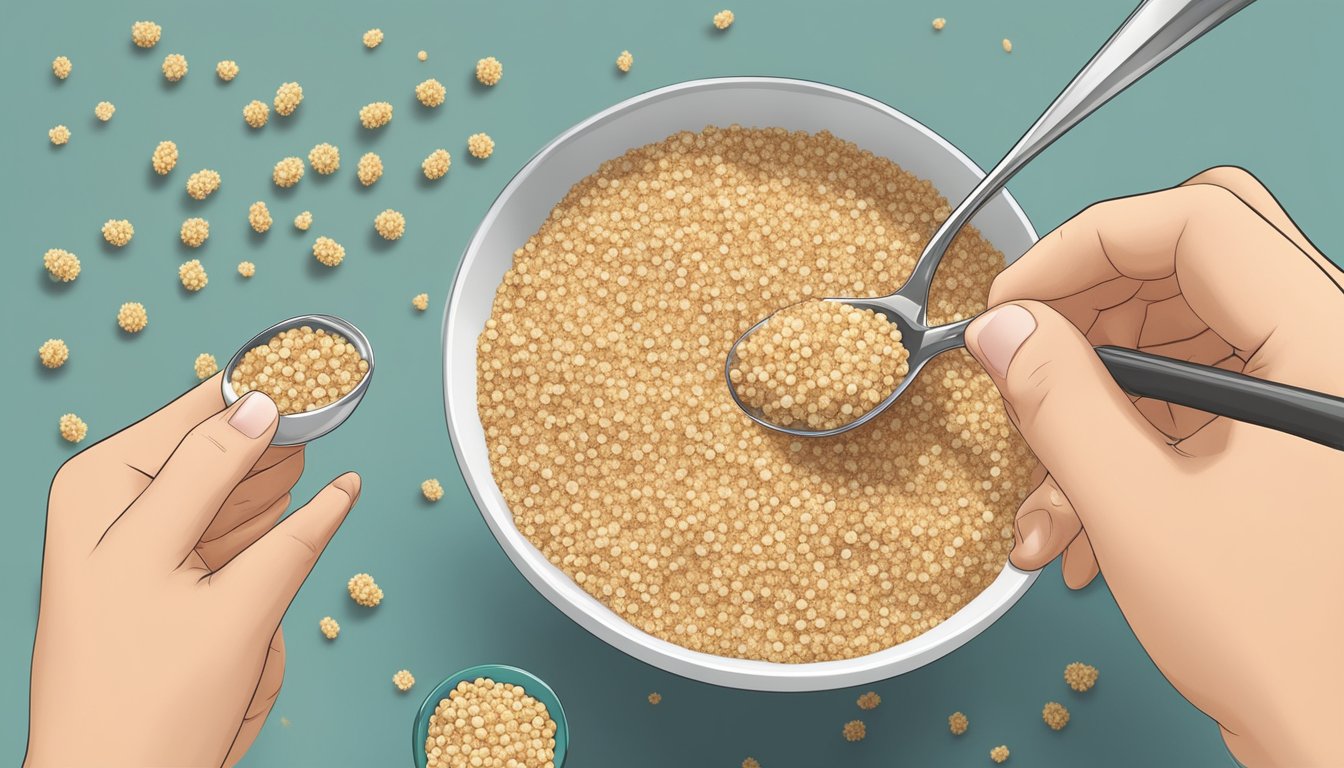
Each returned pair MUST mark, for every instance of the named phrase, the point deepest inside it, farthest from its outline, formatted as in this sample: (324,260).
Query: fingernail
(1033,530)
(254,415)
(349,484)
(1000,335)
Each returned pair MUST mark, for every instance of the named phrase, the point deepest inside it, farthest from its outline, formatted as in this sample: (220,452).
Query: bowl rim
(607,625)
(532,685)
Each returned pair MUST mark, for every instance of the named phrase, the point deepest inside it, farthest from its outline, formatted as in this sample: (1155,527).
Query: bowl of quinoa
(585,341)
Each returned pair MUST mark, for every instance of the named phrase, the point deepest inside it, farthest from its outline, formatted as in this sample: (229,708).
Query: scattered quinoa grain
(403,679)
(226,70)
(1007,45)
(53,353)
(164,158)
(205,366)
(431,93)
(420,301)
(855,730)
(247,268)
(373,38)
(192,275)
(480,145)
(655,698)
(73,428)
(364,591)
(287,172)
(489,70)
(957,723)
(259,216)
(486,724)
(1080,677)
(432,489)
(202,184)
(132,317)
(437,164)
(423,56)
(999,753)
(939,23)
(288,97)
(390,224)
(329,252)
(303,221)
(60,67)
(195,231)
(751,762)
(301,369)
(1055,715)
(724,19)
(60,135)
(369,170)
(375,115)
(145,34)
(174,67)
(325,159)
(61,264)
(330,629)
(104,110)
(118,232)
(256,113)
(625,61)
(869,700)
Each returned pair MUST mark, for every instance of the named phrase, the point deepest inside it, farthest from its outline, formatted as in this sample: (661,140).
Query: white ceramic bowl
(524,205)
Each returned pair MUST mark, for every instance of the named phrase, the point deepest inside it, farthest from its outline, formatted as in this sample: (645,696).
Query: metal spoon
(1154,32)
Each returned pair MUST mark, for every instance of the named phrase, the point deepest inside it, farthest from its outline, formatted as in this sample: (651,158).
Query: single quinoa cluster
(957,723)
(819,365)
(205,366)
(375,115)
(1007,45)
(53,353)
(869,700)
(999,753)
(655,698)
(61,264)
(73,428)
(390,224)
(403,679)
(854,730)
(259,217)
(485,724)
(432,489)
(61,67)
(301,369)
(287,172)
(625,61)
(369,169)
(633,471)
(174,67)
(420,301)
(145,34)
(1080,677)
(118,232)
(939,23)
(59,135)
(489,70)
(437,164)
(364,591)
(328,252)
(132,317)
(192,275)
(1055,715)
(104,110)
(288,97)
(751,762)
(202,184)
(226,70)
(422,55)
(164,158)
(480,145)
(723,19)
(256,113)
(247,268)
(303,221)
(373,38)
(325,159)
(330,629)
(195,231)
(431,92)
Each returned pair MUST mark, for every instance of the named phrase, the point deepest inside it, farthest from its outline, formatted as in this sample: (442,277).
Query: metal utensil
(1154,32)
(297,428)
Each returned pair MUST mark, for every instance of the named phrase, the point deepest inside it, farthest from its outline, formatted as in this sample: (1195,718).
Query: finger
(1065,403)
(1045,525)
(208,464)
(147,444)
(1079,567)
(216,553)
(268,688)
(254,494)
(269,573)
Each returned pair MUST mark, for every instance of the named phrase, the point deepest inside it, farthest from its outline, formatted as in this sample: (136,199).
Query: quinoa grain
(751,762)
(724,19)
(132,317)
(432,489)
(957,723)
(61,67)
(61,264)
(164,158)
(53,353)
(146,34)
(370,169)
(287,172)
(118,232)
(480,145)
(373,38)
(390,224)
(869,700)
(1055,715)
(205,366)
(855,730)
(202,184)
(330,629)
(1080,677)
(325,159)
(489,71)
(420,301)
(364,591)
(59,135)
(259,217)
(104,110)
(247,268)
(625,61)
(328,252)
(192,275)
(256,113)
(303,221)
(403,679)
(655,698)
(288,97)
(1007,45)
(174,67)
(195,231)
(939,23)
(999,753)
(226,70)
(437,164)
(375,115)
(73,428)
(423,56)
(431,93)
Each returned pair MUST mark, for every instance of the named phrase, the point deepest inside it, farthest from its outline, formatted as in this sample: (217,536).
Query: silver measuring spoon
(1155,31)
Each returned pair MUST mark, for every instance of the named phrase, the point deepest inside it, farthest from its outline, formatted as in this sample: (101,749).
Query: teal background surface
(1262,92)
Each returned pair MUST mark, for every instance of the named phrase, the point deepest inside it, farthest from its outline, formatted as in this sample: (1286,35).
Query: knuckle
(1229,177)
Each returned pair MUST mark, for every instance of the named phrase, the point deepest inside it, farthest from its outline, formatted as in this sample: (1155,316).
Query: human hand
(164,580)
(1218,539)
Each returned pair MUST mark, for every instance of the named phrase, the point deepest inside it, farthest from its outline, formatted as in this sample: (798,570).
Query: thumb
(1081,425)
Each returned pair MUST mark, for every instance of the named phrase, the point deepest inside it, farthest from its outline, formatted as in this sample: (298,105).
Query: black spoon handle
(1296,411)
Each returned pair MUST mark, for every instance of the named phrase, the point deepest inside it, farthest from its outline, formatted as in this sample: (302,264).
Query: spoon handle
(1310,415)
(1155,31)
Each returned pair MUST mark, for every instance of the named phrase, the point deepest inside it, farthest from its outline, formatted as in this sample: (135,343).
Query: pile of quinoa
(492,725)
(624,459)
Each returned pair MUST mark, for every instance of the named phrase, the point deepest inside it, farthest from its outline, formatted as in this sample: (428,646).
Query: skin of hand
(165,576)
(1219,540)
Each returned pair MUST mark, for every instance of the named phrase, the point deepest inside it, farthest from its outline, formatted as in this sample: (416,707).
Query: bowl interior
(532,685)
(524,205)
